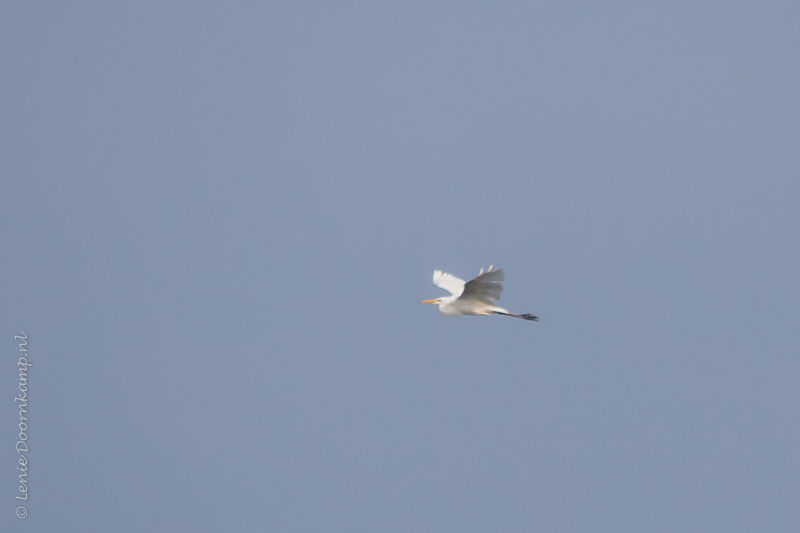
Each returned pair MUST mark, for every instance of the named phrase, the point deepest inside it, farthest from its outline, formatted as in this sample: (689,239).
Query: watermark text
(22,444)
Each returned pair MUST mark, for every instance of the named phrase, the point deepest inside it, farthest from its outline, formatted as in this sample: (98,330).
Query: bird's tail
(526,316)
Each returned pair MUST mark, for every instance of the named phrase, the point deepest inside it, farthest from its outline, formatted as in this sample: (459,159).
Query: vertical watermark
(22,401)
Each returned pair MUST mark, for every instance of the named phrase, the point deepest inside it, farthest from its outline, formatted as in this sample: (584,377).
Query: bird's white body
(460,307)
(473,298)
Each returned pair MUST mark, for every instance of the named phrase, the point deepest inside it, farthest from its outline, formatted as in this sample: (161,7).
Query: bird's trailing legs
(526,316)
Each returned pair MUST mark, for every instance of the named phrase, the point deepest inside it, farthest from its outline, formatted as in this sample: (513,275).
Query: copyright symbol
(22,512)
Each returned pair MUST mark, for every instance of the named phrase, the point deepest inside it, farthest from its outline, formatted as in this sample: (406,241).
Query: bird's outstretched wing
(486,287)
(448,282)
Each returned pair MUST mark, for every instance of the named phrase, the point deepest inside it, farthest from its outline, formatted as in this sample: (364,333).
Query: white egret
(473,298)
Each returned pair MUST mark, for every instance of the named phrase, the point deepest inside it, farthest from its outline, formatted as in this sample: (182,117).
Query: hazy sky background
(217,220)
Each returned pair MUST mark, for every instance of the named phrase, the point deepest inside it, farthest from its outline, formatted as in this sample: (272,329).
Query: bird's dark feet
(529,317)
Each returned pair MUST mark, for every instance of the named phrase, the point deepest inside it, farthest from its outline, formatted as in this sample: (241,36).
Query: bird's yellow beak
(428,301)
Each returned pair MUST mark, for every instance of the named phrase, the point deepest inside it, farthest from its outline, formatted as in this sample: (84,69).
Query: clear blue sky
(217,220)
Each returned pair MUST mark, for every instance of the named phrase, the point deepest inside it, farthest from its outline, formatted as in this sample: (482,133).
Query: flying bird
(473,298)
